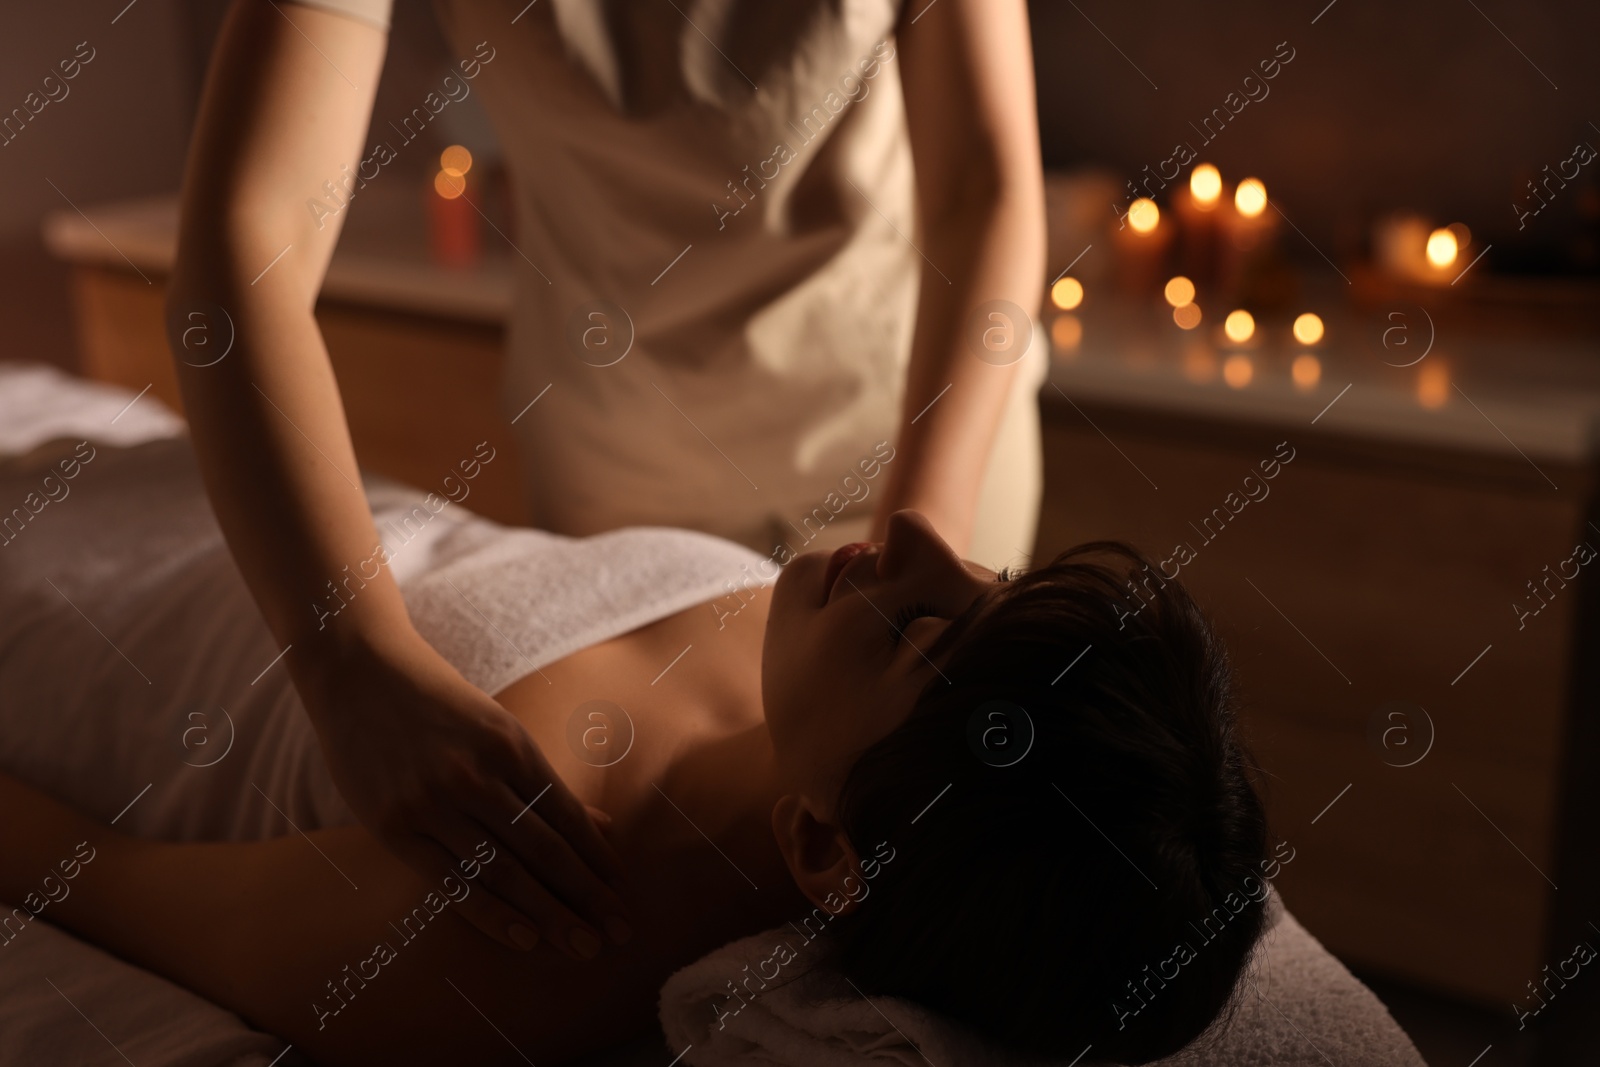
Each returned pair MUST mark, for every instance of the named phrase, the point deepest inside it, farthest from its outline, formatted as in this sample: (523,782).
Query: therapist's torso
(713,203)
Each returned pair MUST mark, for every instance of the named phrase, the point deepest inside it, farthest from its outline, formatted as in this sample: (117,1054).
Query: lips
(842,555)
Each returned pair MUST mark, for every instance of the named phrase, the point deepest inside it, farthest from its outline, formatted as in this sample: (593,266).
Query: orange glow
(1199,364)
(455,160)
(1205,185)
(1433,385)
(449,185)
(1066,333)
(1306,370)
(1180,291)
(1237,370)
(1250,198)
(1240,326)
(1308,329)
(1187,317)
(1143,215)
(1066,293)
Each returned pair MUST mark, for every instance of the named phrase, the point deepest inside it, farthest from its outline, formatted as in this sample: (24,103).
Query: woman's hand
(432,766)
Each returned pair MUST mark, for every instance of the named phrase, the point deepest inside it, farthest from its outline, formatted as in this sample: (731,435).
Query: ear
(817,851)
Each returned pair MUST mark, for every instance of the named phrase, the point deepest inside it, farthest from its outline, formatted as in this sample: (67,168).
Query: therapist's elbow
(247,242)
(225,277)
(987,190)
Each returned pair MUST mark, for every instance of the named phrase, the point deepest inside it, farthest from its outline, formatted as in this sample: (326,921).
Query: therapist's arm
(428,762)
(967,71)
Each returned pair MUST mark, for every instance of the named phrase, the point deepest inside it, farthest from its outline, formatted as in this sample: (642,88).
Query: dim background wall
(1425,105)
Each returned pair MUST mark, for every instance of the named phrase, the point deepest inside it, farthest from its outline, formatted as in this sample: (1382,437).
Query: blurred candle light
(1433,385)
(448,185)
(1463,235)
(1066,333)
(1306,370)
(1239,326)
(1250,198)
(1143,215)
(1442,248)
(1179,291)
(1205,185)
(455,160)
(1237,370)
(1066,293)
(1187,316)
(1308,329)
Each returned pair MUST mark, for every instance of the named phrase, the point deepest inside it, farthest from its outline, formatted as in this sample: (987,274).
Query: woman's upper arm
(966,71)
(287,99)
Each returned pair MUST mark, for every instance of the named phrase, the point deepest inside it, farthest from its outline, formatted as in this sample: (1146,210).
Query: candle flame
(1066,293)
(1240,326)
(449,185)
(1442,248)
(1308,329)
(1205,185)
(1179,291)
(455,160)
(1143,215)
(1250,198)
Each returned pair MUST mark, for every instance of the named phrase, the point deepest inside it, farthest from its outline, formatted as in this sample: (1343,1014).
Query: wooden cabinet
(1374,578)
(417,349)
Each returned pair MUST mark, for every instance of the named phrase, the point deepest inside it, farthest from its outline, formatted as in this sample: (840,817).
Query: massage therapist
(807,227)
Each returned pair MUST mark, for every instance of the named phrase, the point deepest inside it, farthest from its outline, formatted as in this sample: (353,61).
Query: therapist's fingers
(551,861)
(507,884)
(547,796)
(492,916)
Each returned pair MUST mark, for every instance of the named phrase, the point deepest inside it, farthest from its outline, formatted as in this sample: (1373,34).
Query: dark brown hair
(1041,898)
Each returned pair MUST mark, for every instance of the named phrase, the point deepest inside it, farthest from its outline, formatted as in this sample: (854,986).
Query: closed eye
(906,615)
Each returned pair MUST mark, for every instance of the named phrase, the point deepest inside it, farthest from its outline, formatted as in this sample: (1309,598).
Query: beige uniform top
(714,201)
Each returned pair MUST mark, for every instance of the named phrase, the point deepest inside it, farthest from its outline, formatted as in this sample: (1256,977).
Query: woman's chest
(615,716)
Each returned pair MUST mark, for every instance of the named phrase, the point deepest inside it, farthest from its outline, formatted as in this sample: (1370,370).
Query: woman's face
(842,663)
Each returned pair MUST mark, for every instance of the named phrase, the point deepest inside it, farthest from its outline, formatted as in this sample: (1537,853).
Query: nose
(912,547)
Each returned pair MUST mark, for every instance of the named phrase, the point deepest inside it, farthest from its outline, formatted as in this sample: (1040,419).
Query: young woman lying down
(1006,798)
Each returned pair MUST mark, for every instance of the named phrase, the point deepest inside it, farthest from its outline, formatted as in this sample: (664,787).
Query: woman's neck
(662,729)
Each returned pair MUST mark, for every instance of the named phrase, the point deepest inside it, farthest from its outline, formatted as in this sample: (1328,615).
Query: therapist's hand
(432,766)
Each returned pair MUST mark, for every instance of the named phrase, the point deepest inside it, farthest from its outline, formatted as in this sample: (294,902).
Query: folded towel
(38,402)
(1297,1007)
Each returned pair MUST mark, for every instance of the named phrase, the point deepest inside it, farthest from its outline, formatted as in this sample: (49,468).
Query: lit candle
(1248,233)
(1141,246)
(453,232)
(1197,214)
(1408,248)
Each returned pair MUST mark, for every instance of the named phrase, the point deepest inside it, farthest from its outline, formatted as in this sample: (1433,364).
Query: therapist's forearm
(992,250)
(274,448)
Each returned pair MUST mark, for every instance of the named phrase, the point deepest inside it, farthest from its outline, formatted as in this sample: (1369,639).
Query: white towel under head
(1298,1007)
